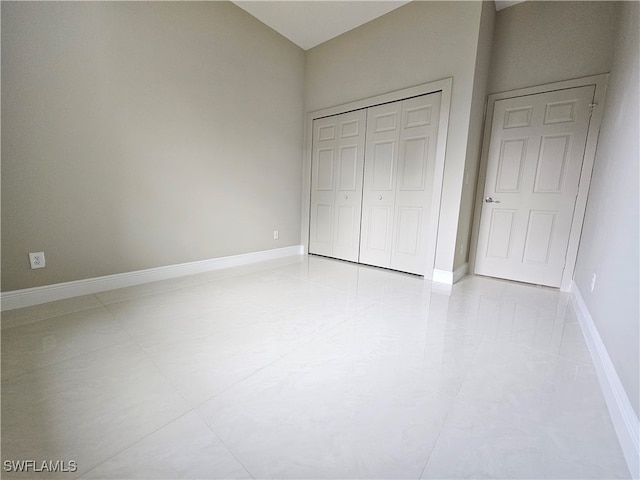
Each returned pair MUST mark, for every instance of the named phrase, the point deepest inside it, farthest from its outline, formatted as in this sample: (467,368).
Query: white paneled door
(534,163)
(398,180)
(378,197)
(336,185)
(371,183)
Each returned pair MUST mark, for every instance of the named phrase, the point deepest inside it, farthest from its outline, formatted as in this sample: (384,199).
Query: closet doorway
(375,179)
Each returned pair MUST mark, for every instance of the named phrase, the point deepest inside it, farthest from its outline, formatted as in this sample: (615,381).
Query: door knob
(379,197)
(346,197)
(491,200)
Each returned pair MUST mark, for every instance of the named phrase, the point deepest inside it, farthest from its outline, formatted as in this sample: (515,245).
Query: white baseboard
(59,291)
(622,414)
(449,278)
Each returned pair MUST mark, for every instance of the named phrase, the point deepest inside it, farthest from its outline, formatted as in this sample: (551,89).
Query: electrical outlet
(593,282)
(37,260)
(276,234)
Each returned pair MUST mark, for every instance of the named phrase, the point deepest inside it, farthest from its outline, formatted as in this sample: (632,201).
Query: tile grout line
(223,443)
(36,320)
(192,408)
(162,375)
(133,444)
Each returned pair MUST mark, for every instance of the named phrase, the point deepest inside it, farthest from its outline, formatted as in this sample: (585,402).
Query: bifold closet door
(398,178)
(336,185)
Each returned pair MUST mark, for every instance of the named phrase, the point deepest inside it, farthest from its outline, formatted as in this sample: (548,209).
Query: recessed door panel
(417,116)
(500,236)
(324,169)
(383,165)
(350,128)
(349,174)
(323,233)
(539,237)
(377,238)
(413,164)
(383,121)
(531,185)
(517,117)
(408,235)
(552,162)
(510,165)
(560,112)
(326,132)
(344,226)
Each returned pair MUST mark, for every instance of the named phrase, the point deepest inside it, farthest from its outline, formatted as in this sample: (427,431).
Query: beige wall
(541,42)
(610,240)
(474,142)
(136,135)
(415,44)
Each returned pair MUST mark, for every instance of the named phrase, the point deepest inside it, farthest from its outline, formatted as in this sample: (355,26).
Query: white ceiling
(312,22)
(308,23)
(500,4)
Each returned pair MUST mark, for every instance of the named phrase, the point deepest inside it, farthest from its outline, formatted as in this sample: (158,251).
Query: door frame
(443,86)
(600,83)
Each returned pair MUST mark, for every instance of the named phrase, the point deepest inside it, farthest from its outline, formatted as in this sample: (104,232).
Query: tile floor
(306,367)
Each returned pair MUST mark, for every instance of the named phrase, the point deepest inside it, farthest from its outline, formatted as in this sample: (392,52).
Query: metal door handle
(346,197)
(379,197)
(491,200)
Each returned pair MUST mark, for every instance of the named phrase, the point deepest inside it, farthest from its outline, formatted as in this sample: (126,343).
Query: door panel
(336,185)
(536,150)
(399,170)
(378,196)
(348,194)
(416,167)
(322,185)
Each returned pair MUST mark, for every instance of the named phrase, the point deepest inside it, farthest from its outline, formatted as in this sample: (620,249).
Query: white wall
(136,135)
(415,44)
(610,241)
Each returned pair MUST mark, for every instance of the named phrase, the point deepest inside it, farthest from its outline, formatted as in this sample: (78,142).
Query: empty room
(320,239)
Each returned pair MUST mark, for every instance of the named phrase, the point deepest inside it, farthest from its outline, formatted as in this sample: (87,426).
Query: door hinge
(591,107)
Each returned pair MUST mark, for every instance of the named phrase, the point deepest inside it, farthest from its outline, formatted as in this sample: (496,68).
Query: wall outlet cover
(37,260)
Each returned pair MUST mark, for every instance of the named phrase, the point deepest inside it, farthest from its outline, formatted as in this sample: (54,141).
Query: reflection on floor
(306,367)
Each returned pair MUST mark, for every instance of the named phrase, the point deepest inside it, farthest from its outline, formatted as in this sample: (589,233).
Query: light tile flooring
(306,367)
